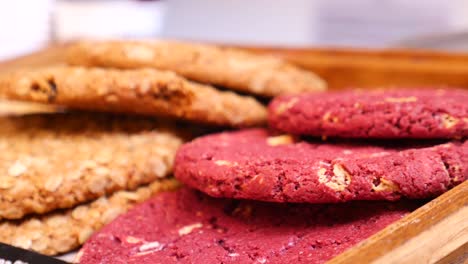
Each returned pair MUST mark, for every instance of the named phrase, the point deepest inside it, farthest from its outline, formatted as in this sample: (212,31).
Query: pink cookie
(189,227)
(373,114)
(250,164)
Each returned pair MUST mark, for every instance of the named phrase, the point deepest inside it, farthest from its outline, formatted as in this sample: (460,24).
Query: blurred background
(28,25)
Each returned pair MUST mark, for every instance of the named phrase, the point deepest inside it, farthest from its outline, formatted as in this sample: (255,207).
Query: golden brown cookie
(21,108)
(53,161)
(232,68)
(141,91)
(62,231)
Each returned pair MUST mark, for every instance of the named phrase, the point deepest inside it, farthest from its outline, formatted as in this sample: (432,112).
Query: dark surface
(15,255)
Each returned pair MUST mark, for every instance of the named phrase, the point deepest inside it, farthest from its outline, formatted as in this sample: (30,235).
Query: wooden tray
(344,68)
(436,232)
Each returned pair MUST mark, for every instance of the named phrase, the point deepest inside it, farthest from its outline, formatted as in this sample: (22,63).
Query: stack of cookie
(287,195)
(92,166)
(63,175)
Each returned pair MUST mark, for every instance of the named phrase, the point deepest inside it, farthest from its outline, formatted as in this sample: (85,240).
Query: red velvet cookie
(373,114)
(250,164)
(189,227)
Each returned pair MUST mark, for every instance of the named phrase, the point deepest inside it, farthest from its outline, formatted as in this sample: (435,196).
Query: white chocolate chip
(340,179)
(133,240)
(385,185)
(223,163)
(449,121)
(280,140)
(189,228)
(327,117)
(152,246)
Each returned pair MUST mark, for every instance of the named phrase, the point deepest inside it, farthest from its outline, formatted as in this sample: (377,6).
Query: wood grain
(344,68)
(434,232)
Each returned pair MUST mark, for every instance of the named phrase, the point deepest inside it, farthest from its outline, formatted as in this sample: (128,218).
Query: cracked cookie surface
(374,114)
(231,68)
(62,231)
(189,227)
(139,91)
(52,161)
(252,164)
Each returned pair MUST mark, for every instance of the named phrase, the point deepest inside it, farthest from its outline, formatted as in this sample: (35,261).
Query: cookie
(21,108)
(188,227)
(62,231)
(251,164)
(374,114)
(231,68)
(141,91)
(51,161)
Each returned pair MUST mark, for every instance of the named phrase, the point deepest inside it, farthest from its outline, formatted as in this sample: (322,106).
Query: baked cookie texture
(402,113)
(63,231)
(23,108)
(251,164)
(140,91)
(227,67)
(52,161)
(189,227)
